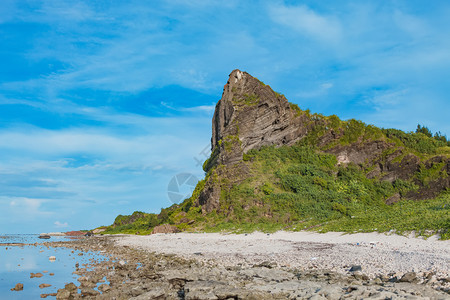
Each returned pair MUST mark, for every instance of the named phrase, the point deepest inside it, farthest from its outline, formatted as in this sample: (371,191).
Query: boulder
(18,287)
(63,294)
(409,277)
(165,228)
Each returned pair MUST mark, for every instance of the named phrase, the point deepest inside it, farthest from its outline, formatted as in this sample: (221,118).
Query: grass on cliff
(298,188)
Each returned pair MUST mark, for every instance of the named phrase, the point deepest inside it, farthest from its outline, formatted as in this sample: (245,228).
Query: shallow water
(17,262)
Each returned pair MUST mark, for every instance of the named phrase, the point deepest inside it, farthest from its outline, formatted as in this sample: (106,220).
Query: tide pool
(17,262)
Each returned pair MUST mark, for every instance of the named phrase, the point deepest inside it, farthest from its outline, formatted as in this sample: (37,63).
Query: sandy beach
(283,265)
(376,253)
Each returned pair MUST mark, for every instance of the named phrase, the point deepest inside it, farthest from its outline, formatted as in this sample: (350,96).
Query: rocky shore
(137,272)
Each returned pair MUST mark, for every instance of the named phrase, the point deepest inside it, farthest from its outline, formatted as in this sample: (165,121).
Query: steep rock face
(251,115)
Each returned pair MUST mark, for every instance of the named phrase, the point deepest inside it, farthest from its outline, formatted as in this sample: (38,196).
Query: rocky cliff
(250,115)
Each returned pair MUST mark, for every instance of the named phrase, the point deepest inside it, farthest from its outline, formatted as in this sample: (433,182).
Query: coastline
(377,253)
(217,266)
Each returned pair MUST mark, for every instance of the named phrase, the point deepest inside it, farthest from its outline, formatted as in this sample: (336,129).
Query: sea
(17,262)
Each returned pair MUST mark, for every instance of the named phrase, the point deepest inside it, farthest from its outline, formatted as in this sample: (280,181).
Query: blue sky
(103,102)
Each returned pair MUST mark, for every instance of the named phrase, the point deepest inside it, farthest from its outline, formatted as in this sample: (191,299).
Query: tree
(424,130)
(440,137)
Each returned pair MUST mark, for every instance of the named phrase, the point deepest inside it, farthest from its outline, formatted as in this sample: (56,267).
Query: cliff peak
(251,115)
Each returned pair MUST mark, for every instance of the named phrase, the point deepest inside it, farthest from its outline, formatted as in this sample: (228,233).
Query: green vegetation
(421,143)
(248,100)
(211,161)
(294,107)
(137,222)
(416,141)
(301,188)
(437,136)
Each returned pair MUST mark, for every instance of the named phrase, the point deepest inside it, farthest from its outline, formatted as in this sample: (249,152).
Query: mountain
(274,165)
(251,115)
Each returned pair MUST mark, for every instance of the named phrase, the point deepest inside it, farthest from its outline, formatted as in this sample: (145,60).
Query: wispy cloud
(308,22)
(58,224)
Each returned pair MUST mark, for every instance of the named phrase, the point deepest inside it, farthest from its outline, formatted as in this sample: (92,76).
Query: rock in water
(37,275)
(18,287)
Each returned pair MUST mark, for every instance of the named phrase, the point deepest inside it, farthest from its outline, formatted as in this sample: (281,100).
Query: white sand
(376,253)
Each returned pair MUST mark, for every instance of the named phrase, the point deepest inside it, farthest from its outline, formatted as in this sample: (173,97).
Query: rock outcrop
(165,228)
(251,115)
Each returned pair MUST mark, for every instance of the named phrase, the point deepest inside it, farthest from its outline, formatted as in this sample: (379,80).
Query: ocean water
(17,262)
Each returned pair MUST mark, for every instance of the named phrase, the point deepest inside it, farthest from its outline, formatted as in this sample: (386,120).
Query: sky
(103,104)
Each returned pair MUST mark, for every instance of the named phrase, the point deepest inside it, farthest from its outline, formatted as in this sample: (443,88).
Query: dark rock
(351,289)
(104,288)
(185,220)
(355,268)
(44,285)
(63,294)
(18,287)
(71,287)
(154,294)
(266,264)
(165,228)
(136,291)
(409,277)
(88,292)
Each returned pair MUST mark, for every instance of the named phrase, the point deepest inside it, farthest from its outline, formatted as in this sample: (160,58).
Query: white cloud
(326,86)
(61,225)
(317,91)
(390,98)
(30,207)
(306,21)
(413,25)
